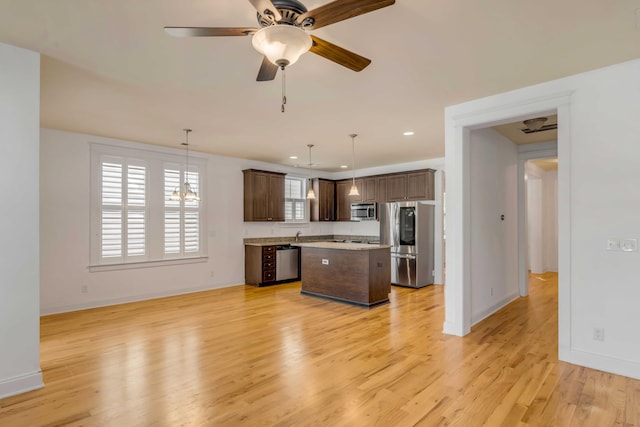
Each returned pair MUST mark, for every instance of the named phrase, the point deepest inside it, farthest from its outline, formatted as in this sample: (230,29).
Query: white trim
(459,120)
(525,153)
(143,297)
(564,229)
(601,362)
(21,384)
(479,317)
(438,236)
(146,264)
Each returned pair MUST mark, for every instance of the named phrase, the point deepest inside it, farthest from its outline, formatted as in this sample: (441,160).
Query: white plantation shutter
(136,233)
(111,218)
(111,233)
(136,213)
(294,199)
(133,219)
(123,210)
(191,231)
(181,217)
(171,183)
(172,234)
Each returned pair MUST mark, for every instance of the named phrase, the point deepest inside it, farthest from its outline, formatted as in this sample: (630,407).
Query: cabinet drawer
(268,257)
(269,265)
(268,276)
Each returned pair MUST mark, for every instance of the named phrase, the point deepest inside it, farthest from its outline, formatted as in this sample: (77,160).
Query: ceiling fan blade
(262,5)
(209,31)
(267,71)
(339,10)
(338,55)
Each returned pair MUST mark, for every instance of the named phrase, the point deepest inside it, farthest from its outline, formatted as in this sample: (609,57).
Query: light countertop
(341,245)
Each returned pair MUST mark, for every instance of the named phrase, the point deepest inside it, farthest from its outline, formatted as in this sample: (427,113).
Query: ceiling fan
(283,34)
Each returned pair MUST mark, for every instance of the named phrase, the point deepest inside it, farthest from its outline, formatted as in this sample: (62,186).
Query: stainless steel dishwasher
(287,262)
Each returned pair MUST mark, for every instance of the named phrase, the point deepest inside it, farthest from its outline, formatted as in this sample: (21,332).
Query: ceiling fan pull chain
(284,82)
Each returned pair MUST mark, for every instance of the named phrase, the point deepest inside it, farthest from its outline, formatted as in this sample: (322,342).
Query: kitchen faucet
(298,235)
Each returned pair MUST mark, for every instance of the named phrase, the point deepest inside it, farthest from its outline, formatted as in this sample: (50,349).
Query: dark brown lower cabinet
(259,265)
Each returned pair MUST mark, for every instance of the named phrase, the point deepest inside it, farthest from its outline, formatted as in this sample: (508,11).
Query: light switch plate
(629,245)
(325,262)
(613,245)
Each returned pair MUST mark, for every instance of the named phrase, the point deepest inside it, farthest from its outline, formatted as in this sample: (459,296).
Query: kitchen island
(356,273)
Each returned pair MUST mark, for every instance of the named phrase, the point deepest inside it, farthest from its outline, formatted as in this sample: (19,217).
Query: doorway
(460,121)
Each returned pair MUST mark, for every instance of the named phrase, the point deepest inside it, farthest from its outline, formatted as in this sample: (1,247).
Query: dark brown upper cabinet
(263,195)
(323,208)
(344,200)
(417,185)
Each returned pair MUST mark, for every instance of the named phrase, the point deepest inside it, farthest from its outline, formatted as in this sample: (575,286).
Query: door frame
(492,111)
(525,153)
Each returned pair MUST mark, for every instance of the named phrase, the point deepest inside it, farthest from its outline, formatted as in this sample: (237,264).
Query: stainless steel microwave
(363,211)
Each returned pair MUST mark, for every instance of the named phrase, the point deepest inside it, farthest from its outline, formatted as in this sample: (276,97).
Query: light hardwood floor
(272,357)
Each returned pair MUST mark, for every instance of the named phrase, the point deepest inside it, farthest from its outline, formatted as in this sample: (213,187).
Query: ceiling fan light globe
(282,44)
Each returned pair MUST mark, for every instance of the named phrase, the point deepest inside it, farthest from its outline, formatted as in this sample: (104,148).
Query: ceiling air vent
(537,125)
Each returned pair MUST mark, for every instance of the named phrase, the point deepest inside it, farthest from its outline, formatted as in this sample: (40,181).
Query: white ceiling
(513,131)
(109,69)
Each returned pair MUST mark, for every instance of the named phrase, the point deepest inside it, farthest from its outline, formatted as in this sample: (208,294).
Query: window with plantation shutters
(181,217)
(123,210)
(295,200)
(133,219)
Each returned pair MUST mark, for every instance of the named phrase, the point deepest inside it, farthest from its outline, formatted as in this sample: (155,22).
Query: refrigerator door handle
(403,256)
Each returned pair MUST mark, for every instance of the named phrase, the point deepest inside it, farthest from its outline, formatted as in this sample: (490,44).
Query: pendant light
(185,193)
(311,195)
(354,189)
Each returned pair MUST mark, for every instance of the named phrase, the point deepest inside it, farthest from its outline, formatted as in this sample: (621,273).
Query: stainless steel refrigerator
(409,228)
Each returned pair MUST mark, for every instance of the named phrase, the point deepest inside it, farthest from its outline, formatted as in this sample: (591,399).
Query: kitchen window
(133,219)
(295,201)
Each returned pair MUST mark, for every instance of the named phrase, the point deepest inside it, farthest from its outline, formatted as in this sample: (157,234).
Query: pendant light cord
(284,84)
(353,157)
(186,172)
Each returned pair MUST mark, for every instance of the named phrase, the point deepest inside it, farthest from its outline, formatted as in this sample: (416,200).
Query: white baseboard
(113,301)
(478,317)
(21,384)
(451,328)
(601,362)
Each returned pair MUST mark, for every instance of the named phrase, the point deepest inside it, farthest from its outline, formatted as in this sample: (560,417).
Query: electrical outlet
(84,289)
(325,262)
(212,273)
(598,334)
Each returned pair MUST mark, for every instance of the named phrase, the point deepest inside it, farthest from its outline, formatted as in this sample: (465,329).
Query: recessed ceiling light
(343,166)
(293,157)
(409,133)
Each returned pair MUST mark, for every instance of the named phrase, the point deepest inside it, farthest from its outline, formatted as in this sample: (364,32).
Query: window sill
(146,264)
